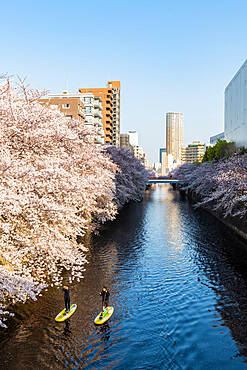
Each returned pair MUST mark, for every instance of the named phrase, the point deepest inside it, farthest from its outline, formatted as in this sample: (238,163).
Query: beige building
(83,107)
(125,142)
(174,135)
(193,152)
(71,107)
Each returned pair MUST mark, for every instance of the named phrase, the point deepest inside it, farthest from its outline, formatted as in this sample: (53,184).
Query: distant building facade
(133,137)
(236,108)
(110,97)
(167,163)
(125,143)
(71,106)
(174,135)
(213,139)
(162,150)
(84,107)
(193,152)
(115,85)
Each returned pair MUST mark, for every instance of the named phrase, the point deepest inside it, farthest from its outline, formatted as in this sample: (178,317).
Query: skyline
(169,57)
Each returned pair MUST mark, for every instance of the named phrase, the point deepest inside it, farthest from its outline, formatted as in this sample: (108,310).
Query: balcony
(97,113)
(89,124)
(89,117)
(98,105)
(99,140)
(98,122)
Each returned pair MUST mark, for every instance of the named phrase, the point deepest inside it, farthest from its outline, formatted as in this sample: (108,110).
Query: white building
(167,163)
(236,108)
(133,138)
(213,139)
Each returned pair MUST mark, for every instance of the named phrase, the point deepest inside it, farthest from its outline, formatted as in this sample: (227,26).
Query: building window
(54,105)
(69,117)
(66,106)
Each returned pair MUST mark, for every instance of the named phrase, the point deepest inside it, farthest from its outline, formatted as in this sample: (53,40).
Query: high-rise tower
(174,135)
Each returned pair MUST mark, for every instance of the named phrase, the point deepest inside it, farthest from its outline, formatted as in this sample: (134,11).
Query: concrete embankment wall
(237,224)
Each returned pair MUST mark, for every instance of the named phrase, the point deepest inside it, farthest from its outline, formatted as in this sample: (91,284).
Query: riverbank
(237,224)
(220,187)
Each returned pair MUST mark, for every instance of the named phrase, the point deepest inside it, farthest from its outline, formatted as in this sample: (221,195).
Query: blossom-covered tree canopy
(131,176)
(53,183)
(220,185)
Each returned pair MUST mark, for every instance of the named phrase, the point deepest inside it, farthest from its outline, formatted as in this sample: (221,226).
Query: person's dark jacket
(105,295)
(66,293)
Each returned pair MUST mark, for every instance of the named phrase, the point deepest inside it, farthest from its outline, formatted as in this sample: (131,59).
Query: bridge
(164,180)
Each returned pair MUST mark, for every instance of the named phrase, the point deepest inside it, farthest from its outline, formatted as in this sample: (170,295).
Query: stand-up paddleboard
(63,315)
(103,317)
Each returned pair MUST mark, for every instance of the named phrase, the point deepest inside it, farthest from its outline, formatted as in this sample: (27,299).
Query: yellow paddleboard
(63,315)
(105,316)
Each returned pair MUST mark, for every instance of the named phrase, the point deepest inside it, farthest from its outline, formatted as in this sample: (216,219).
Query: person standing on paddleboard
(66,291)
(105,298)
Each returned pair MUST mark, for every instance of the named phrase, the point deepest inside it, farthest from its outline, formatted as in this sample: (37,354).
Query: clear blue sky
(170,55)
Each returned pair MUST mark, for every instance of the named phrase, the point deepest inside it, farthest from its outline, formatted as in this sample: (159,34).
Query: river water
(177,279)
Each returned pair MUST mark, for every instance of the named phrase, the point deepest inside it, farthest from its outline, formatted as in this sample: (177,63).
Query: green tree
(222,149)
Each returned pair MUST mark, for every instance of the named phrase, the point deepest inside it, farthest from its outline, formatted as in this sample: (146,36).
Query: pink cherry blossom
(55,185)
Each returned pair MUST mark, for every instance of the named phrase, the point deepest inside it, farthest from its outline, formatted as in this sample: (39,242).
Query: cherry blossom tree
(55,185)
(131,176)
(219,185)
(53,181)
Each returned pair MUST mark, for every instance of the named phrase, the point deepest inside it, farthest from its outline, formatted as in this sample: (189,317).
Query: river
(177,279)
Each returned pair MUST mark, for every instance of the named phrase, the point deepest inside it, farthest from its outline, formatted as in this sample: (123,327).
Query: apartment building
(115,85)
(110,97)
(84,107)
(174,135)
(71,107)
(193,152)
(93,114)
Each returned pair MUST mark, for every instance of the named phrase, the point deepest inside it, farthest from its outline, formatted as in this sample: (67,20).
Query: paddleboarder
(66,291)
(105,298)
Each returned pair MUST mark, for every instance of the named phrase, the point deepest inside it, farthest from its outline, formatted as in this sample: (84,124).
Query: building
(213,139)
(235,125)
(167,163)
(115,85)
(71,106)
(110,97)
(93,114)
(125,143)
(133,137)
(87,105)
(162,150)
(193,152)
(174,135)
(138,151)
